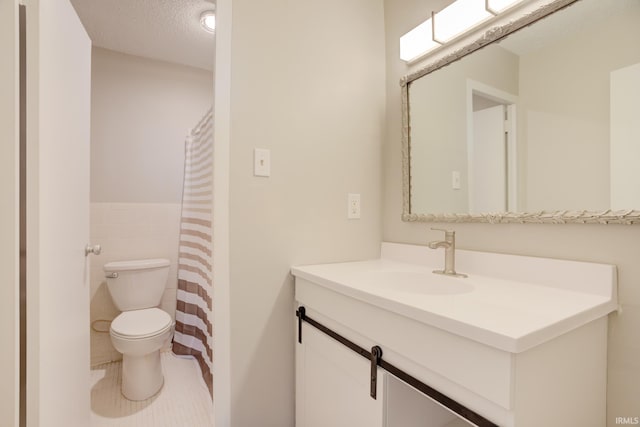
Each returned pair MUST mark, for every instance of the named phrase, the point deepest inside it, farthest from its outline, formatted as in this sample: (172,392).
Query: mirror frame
(630,216)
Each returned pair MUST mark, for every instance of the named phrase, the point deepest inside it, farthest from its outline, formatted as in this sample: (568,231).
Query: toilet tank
(137,284)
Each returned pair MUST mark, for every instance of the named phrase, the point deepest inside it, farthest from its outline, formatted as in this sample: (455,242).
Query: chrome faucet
(449,245)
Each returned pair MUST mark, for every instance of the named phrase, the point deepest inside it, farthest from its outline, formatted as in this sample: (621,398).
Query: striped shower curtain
(194,331)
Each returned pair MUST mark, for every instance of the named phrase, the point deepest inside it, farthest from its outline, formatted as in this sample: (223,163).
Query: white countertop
(500,310)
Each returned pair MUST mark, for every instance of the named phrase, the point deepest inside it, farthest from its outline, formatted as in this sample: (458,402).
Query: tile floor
(183,400)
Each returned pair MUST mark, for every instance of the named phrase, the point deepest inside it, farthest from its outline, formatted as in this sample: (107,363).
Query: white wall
(141,113)
(614,244)
(307,82)
(142,109)
(9,242)
(566,119)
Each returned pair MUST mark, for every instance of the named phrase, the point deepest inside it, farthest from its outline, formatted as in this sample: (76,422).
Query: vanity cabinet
(552,374)
(559,383)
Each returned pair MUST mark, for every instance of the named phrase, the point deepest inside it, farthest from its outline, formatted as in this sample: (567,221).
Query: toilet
(142,329)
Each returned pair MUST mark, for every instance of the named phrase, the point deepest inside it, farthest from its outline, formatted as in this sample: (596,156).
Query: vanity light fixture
(457,18)
(417,42)
(452,21)
(208,21)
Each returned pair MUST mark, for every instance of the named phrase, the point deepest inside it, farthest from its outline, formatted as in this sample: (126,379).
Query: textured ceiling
(168,30)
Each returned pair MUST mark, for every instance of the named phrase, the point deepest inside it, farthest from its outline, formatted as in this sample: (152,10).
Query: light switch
(353,206)
(261,162)
(455,180)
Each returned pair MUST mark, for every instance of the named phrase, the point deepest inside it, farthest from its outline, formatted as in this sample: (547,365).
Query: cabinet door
(332,385)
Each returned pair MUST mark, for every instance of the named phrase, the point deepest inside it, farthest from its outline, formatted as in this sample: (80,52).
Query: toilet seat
(140,324)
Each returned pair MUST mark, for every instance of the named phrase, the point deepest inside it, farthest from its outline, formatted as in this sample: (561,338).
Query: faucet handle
(443,229)
(449,235)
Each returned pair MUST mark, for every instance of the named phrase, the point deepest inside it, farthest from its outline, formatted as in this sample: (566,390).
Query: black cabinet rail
(375,357)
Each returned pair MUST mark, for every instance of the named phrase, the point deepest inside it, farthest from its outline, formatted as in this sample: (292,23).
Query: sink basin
(417,282)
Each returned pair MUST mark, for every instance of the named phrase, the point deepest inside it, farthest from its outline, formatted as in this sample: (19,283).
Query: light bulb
(417,42)
(208,21)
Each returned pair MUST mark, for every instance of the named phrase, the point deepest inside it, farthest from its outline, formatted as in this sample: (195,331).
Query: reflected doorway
(491,148)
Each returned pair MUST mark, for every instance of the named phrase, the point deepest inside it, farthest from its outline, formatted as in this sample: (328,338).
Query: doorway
(491,149)
(60,189)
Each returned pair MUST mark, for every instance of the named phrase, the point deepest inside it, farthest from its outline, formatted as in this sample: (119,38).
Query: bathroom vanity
(520,342)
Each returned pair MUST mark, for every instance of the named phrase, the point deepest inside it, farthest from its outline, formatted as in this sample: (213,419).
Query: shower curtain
(194,331)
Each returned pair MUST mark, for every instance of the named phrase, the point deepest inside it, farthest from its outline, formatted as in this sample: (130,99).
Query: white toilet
(142,329)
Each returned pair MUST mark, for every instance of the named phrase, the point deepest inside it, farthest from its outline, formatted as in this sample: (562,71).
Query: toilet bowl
(139,335)
(142,329)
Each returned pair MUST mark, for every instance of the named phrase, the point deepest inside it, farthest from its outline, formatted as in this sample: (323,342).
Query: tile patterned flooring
(183,401)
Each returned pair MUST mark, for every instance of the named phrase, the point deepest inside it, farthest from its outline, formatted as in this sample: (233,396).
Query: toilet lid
(141,323)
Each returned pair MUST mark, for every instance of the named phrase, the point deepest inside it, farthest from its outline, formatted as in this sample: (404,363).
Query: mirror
(538,126)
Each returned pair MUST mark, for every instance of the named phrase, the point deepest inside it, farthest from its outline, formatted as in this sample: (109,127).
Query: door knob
(95,249)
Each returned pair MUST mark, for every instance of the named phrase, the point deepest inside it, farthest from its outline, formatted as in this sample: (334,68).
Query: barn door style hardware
(376,360)
(376,355)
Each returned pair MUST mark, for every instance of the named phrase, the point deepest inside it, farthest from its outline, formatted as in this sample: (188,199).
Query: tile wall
(128,231)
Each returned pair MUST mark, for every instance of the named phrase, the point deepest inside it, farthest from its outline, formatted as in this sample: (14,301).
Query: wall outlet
(353,206)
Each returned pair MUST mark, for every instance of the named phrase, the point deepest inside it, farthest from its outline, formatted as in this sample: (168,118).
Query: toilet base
(141,375)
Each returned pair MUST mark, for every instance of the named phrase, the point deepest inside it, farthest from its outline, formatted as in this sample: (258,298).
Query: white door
(488,164)
(58,114)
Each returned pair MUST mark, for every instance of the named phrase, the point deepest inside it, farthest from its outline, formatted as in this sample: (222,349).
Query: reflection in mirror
(543,120)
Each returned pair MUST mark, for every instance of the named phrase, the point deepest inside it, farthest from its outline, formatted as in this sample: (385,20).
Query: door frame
(511,102)
(9,214)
